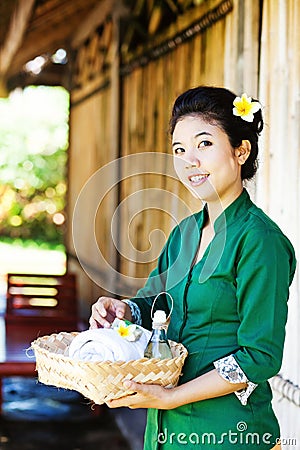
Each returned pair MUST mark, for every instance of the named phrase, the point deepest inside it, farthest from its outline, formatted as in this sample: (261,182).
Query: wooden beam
(173,7)
(47,43)
(96,18)
(115,131)
(17,28)
(155,19)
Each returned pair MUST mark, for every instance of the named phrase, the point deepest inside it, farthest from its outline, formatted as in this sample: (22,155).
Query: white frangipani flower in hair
(245,108)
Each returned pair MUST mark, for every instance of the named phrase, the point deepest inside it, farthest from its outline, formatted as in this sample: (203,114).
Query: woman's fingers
(105,310)
(98,316)
(143,396)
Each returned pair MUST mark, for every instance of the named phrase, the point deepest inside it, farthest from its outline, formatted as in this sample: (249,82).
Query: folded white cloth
(106,344)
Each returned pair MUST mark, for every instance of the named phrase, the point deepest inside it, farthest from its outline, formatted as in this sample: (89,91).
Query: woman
(228,269)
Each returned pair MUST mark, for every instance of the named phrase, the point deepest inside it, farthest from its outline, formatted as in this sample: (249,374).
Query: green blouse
(229,306)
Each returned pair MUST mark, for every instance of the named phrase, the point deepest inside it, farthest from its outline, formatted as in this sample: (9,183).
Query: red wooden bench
(36,305)
(42,299)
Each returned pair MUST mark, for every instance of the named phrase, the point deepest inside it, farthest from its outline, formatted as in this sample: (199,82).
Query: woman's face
(205,161)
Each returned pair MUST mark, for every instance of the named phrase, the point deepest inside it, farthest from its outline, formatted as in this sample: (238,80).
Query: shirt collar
(233,212)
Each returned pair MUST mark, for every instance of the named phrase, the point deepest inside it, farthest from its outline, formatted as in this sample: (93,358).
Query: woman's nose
(191,160)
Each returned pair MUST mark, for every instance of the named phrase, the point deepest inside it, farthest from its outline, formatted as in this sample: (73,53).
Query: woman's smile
(198,179)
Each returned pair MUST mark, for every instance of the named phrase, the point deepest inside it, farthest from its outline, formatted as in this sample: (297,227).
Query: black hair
(215,105)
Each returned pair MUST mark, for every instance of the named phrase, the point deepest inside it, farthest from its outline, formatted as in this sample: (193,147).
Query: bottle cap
(159,317)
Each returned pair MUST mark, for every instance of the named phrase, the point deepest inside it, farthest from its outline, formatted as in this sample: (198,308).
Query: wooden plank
(196,61)
(214,70)
(15,33)
(251,43)
(114,138)
(96,17)
(230,49)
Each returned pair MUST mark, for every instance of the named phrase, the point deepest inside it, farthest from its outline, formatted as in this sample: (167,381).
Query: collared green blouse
(232,302)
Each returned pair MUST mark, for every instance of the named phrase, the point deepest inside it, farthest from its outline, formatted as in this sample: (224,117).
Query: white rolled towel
(106,344)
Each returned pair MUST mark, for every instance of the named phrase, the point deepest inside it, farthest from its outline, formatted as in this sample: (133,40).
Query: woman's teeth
(197,178)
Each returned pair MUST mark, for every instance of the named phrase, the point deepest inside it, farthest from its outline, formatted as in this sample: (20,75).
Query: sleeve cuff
(229,369)
(135,312)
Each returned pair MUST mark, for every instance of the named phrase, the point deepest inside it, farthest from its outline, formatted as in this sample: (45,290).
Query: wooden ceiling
(30,28)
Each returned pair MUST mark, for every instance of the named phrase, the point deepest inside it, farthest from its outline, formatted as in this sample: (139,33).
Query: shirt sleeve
(135,312)
(264,271)
(229,369)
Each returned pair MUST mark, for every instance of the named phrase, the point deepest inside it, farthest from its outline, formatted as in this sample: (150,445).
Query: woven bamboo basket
(101,381)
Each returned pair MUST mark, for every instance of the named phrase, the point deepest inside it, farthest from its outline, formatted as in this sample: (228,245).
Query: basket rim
(35,345)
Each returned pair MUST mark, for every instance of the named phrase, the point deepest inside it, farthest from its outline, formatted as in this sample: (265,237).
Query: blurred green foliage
(33,157)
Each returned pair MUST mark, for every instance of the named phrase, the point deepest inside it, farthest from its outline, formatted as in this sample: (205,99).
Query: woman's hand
(106,309)
(207,385)
(146,396)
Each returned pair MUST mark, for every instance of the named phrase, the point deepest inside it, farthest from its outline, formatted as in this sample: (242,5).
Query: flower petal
(246,99)
(245,108)
(237,101)
(248,117)
(256,106)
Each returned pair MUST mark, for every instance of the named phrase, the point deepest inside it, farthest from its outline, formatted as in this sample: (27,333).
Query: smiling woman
(228,268)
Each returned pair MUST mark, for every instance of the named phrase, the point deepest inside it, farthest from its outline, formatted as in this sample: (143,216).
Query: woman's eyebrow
(202,133)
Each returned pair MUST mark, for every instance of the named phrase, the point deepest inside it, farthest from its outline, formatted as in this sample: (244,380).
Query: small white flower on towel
(127,330)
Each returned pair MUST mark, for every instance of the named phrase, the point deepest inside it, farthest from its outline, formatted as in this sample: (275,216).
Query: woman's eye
(179,150)
(204,144)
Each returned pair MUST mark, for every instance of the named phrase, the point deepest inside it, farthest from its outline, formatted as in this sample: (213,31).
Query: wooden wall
(89,136)
(94,144)
(278,188)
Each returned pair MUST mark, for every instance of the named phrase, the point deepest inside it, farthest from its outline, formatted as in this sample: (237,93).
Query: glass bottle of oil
(158,345)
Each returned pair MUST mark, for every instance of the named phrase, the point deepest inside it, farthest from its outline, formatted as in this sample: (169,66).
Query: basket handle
(172,304)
